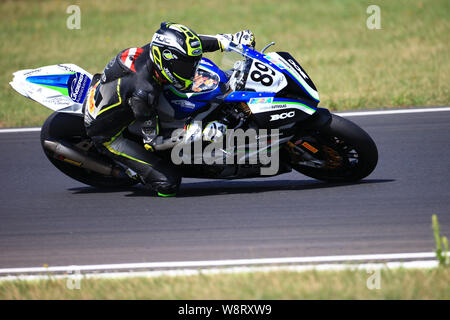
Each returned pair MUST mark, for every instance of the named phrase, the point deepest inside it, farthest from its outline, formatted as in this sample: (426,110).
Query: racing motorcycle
(262,91)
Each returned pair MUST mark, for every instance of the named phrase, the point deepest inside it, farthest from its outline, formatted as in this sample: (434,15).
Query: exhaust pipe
(76,158)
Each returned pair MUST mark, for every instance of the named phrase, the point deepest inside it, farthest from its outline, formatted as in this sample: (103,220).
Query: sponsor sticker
(62,101)
(162,39)
(65,67)
(309,147)
(269,107)
(31,72)
(169,74)
(282,116)
(79,84)
(184,104)
(275,62)
(91,102)
(168,55)
(279,106)
(260,100)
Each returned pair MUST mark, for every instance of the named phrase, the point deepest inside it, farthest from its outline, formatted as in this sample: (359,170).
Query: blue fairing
(76,83)
(185,103)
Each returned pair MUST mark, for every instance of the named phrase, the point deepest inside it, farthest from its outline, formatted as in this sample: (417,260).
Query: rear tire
(349,152)
(69,128)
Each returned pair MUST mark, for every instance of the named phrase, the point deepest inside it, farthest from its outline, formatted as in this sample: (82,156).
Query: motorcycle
(262,91)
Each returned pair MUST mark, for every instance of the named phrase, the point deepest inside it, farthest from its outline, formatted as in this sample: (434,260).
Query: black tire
(69,128)
(350,153)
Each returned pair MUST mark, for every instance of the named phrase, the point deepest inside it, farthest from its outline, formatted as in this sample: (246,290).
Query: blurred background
(405,63)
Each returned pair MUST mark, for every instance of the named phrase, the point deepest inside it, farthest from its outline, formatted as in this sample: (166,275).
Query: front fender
(319,119)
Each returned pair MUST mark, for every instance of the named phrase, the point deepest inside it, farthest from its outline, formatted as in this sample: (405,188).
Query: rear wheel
(339,152)
(69,128)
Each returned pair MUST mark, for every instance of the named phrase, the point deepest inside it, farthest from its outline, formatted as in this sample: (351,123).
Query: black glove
(142,103)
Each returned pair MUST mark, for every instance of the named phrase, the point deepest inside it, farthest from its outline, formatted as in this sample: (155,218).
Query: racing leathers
(127,91)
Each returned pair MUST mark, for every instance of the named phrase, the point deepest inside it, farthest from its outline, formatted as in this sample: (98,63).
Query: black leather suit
(127,91)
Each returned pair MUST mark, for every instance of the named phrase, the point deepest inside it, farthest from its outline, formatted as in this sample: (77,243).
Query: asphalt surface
(48,218)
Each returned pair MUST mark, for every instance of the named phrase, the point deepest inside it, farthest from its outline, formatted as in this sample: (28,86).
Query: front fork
(305,152)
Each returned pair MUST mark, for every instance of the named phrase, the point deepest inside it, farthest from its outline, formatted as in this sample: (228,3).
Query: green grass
(394,284)
(441,244)
(406,63)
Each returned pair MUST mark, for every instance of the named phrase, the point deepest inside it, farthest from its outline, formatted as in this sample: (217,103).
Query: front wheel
(339,152)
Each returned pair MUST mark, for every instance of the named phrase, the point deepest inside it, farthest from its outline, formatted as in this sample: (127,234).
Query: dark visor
(185,68)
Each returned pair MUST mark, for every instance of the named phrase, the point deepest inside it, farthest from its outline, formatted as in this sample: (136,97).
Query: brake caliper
(334,159)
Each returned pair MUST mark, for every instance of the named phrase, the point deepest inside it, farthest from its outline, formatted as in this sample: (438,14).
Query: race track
(48,218)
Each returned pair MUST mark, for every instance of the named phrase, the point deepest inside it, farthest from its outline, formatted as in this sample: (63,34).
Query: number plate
(263,78)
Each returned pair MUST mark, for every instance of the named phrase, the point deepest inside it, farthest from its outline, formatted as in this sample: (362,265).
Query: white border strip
(12,130)
(383,112)
(220,263)
(344,114)
(75,274)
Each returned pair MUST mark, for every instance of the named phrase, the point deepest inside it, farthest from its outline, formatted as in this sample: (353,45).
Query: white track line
(344,114)
(76,274)
(12,130)
(383,112)
(220,263)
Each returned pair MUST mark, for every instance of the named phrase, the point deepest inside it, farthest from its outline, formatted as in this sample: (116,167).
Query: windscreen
(204,81)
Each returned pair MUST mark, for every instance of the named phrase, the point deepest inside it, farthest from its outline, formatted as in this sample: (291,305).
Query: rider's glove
(244,37)
(192,132)
(214,131)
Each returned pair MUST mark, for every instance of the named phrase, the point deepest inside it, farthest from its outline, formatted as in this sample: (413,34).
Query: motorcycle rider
(128,91)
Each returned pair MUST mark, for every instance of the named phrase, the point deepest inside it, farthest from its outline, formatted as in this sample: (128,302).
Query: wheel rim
(338,157)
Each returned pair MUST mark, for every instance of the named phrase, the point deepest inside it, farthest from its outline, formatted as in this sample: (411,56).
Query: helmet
(176,51)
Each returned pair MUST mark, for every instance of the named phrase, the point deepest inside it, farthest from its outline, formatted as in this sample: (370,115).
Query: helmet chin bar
(180,87)
(187,82)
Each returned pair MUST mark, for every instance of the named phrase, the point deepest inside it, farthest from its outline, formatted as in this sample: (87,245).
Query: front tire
(344,152)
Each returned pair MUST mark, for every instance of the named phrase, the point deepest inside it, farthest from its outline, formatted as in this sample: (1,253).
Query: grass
(394,284)
(441,243)
(406,63)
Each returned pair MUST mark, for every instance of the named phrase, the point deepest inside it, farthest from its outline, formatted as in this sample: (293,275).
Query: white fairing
(49,98)
(266,104)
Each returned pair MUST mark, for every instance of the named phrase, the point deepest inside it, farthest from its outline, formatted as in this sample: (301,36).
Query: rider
(127,91)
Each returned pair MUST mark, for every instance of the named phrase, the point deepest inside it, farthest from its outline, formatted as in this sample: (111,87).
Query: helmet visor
(185,69)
